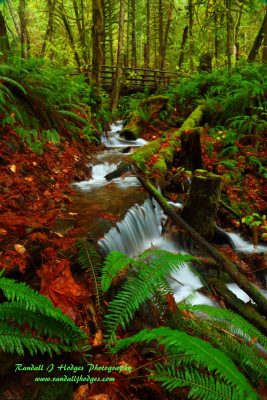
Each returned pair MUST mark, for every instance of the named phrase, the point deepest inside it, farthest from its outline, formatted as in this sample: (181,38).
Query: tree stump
(191,149)
(202,203)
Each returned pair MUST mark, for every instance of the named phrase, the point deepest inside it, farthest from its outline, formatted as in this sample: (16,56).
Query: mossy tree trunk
(97,45)
(4,43)
(201,206)
(117,82)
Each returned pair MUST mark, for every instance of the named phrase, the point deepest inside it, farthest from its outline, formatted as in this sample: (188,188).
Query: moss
(141,155)
(132,131)
(160,167)
(167,154)
(194,119)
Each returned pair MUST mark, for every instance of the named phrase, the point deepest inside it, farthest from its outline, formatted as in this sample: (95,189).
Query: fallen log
(247,310)
(224,263)
(164,148)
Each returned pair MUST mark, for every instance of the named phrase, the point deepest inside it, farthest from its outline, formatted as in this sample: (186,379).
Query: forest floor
(35,193)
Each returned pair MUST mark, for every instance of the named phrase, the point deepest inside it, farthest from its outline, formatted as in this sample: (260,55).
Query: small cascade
(139,230)
(112,138)
(244,246)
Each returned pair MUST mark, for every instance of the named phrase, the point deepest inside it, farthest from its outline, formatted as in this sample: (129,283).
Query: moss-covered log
(165,148)
(219,257)
(191,149)
(201,206)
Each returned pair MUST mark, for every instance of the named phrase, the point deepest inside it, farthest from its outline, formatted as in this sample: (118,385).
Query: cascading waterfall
(139,230)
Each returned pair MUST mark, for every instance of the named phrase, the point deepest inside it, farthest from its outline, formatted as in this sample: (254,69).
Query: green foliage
(115,262)
(151,269)
(48,98)
(89,259)
(256,162)
(29,321)
(229,164)
(214,354)
(192,363)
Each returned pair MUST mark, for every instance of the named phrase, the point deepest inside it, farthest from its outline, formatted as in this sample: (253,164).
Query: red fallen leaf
(58,284)
(38,237)
(50,253)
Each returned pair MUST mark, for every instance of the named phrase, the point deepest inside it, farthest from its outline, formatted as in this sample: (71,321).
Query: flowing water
(121,216)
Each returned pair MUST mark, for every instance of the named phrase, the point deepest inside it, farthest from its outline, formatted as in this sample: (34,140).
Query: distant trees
(161,34)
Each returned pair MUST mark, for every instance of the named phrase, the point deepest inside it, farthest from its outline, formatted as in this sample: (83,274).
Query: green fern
(90,260)
(14,83)
(72,115)
(152,266)
(200,359)
(235,322)
(25,305)
(115,262)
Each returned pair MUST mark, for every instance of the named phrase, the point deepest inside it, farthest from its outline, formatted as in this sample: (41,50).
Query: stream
(121,217)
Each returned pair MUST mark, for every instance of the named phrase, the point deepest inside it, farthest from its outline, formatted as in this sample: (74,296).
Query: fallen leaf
(98,338)
(13,168)
(19,248)
(3,232)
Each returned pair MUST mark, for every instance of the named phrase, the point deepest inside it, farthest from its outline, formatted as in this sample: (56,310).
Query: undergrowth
(45,102)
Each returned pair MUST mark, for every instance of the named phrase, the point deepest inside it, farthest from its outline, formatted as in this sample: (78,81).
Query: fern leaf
(13,83)
(32,301)
(201,386)
(140,288)
(198,353)
(72,115)
(89,259)
(235,322)
(13,341)
(114,263)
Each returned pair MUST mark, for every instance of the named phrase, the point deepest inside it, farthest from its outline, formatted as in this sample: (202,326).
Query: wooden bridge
(135,79)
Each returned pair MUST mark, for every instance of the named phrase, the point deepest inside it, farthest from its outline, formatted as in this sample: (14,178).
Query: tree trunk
(148,36)
(14,17)
(70,36)
(118,74)
(166,34)
(228,34)
(78,16)
(184,39)
(220,258)
(24,38)
(264,45)
(160,30)
(202,203)
(133,33)
(4,43)
(97,48)
(50,25)
(190,33)
(258,40)
(216,39)
(191,150)
(236,33)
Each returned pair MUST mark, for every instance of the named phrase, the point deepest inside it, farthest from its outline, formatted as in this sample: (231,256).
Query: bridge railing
(143,77)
